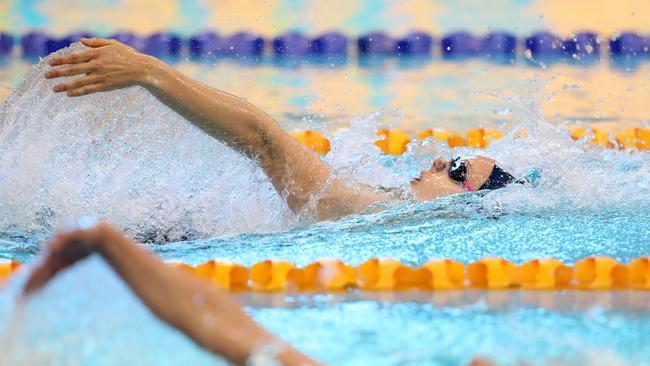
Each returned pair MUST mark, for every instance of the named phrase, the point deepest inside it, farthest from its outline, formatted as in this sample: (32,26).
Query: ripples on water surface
(124,156)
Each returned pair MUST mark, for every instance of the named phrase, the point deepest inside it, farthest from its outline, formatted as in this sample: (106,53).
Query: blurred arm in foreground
(205,313)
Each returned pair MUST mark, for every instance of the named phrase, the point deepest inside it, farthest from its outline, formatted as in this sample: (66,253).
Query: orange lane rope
(591,273)
(394,141)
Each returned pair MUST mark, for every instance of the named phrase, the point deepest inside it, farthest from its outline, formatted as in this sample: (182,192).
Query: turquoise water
(124,156)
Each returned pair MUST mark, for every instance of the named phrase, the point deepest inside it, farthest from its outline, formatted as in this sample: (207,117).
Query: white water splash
(574,175)
(125,156)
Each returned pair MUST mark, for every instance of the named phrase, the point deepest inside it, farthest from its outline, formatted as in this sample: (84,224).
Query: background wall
(270,17)
(438,94)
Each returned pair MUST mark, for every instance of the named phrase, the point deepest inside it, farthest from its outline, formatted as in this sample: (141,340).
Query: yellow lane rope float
(378,274)
(313,140)
(394,141)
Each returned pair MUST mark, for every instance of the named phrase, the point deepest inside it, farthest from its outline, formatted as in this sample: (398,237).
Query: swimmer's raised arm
(296,172)
(205,313)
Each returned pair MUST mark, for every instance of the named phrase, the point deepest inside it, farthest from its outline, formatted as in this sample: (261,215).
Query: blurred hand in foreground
(67,248)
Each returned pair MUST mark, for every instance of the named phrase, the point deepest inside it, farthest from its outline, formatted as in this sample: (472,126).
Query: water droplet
(571,87)
(528,54)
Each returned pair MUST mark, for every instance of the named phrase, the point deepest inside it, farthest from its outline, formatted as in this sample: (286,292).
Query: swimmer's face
(435,182)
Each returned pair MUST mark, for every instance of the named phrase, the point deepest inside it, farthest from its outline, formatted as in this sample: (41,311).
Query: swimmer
(205,313)
(297,173)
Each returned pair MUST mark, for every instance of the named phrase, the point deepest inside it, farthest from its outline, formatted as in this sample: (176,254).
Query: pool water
(124,156)
(98,321)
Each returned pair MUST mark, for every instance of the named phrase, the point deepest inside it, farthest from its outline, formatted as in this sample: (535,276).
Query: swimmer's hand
(66,249)
(109,65)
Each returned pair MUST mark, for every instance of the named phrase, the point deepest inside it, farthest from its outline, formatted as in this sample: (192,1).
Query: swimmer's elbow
(248,137)
(266,141)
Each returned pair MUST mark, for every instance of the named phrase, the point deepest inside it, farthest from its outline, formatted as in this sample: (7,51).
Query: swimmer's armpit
(205,313)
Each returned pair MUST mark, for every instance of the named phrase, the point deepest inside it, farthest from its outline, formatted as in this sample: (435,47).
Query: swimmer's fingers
(44,272)
(63,251)
(89,89)
(69,71)
(76,58)
(39,276)
(97,42)
(83,57)
(78,83)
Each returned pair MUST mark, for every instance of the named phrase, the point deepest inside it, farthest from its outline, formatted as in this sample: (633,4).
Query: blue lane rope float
(244,44)
(330,44)
(542,45)
(55,44)
(291,44)
(129,38)
(460,44)
(376,44)
(583,45)
(241,45)
(499,44)
(579,46)
(493,45)
(207,44)
(34,44)
(415,44)
(163,44)
(630,44)
(6,43)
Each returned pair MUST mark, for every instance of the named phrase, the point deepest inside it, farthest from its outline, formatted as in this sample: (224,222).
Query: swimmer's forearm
(221,115)
(205,313)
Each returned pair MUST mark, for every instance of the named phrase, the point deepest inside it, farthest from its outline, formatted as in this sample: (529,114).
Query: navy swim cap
(499,178)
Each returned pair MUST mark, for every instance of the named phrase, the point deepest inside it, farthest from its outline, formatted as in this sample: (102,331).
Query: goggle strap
(468,186)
